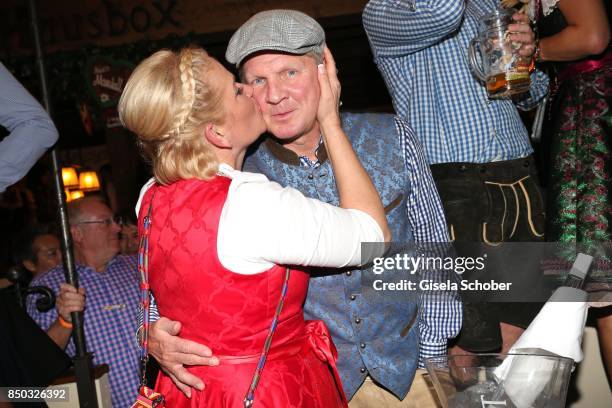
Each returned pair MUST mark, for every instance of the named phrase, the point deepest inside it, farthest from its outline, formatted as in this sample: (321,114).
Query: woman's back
(230,312)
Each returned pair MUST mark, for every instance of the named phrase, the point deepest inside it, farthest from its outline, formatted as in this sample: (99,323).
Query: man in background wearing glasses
(111,305)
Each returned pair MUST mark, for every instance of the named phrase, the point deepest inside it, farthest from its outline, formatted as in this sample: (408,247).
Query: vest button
(349,273)
(353,297)
(362,345)
(310,177)
(357,320)
(362,370)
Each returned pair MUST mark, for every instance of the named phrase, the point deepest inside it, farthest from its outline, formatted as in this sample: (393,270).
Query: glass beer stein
(494,58)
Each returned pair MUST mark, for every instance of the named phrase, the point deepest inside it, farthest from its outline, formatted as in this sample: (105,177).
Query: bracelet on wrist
(537,54)
(64,323)
(535,58)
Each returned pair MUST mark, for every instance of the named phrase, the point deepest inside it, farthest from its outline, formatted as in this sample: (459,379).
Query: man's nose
(275,92)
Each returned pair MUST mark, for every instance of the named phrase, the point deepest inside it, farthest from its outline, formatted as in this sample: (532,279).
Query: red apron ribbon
(321,343)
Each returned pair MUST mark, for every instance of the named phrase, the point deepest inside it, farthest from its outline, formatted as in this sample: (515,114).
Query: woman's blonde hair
(167,102)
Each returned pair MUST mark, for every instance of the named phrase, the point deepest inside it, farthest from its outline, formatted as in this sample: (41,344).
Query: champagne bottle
(580,269)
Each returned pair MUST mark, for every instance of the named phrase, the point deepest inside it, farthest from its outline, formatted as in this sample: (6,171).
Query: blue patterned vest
(376,335)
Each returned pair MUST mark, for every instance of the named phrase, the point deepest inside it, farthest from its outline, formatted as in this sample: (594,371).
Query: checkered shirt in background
(421,49)
(110,320)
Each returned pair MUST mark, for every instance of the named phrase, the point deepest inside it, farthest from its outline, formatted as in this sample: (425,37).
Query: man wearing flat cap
(380,341)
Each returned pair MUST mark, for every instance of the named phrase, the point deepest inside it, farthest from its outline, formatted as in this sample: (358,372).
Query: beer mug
(494,58)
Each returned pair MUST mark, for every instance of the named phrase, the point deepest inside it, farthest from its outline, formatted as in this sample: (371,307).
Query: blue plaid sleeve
(153,317)
(425,210)
(537,92)
(51,279)
(43,319)
(400,27)
(440,319)
(440,313)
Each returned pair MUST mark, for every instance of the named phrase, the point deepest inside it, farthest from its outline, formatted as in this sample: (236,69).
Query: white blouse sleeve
(263,224)
(143,191)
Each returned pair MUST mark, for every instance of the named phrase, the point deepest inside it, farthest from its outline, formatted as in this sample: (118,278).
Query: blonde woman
(220,239)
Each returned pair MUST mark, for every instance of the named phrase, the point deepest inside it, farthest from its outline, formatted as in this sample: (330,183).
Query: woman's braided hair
(167,102)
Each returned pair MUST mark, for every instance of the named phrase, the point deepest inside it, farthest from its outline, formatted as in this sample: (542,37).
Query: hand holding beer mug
(497,58)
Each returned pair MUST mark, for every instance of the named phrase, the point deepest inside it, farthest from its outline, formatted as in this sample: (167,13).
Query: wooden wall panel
(69,24)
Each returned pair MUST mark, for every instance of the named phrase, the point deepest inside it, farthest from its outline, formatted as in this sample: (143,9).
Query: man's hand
(521,32)
(173,353)
(69,300)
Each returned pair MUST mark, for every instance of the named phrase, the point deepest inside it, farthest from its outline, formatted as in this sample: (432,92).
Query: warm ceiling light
(69,177)
(76,194)
(73,195)
(88,181)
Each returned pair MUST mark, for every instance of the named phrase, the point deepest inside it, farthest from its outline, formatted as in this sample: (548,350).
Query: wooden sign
(68,24)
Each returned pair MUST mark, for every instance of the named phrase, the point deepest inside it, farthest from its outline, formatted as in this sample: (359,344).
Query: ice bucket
(501,380)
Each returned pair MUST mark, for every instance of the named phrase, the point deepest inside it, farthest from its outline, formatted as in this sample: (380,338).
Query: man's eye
(291,73)
(257,81)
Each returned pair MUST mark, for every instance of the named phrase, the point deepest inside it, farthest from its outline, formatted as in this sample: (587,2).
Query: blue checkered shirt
(439,319)
(110,320)
(421,49)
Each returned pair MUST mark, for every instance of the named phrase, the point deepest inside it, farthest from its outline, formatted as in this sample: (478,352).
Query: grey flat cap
(277,30)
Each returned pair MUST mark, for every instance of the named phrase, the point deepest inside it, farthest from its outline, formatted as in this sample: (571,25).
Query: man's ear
(215,136)
(76,233)
(29,265)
